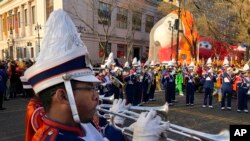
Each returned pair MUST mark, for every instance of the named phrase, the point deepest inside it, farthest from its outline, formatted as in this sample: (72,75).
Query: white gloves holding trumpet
(148,126)
(118,107)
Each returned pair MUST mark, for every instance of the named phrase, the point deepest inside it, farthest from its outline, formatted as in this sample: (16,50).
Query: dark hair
(47,94)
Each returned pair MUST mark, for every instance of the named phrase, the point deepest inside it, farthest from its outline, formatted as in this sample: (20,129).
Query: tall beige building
(120,26)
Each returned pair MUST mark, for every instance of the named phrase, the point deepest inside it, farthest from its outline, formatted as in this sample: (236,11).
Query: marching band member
(209,78)
(158,77)
(226,88)
(179,81)
(190,86)
(106,84)
(34,111)
(218,85)
(168,82)
(130,81)
(152,81)
(138,84)
(117,81)
(174,66)
(67,88)
(146,83)
(243,87)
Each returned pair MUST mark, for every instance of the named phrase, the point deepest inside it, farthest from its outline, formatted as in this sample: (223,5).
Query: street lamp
(38,27)
(247,49)
(171,27)
(81,29)
(177,23)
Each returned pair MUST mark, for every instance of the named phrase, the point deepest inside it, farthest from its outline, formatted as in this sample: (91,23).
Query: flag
(5,24)
(173,2)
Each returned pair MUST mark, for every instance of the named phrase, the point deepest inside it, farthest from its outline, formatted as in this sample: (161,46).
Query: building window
(3,57)
(19,52)
(24,52)
(122,18)
(32,52)
(18,18)
(136,21)
(33,14)
(103,50)
(10,22)
(104,13)
(121,50)
(25,17)
(49,7)
(137,52)
(149,23)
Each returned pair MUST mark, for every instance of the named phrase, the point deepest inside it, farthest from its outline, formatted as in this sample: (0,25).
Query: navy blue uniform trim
(75,64)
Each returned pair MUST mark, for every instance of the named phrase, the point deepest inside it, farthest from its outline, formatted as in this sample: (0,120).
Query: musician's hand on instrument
(103,84)
(148,127)
(118,107)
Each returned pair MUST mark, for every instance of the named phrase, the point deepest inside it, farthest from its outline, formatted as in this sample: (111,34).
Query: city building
(120,26)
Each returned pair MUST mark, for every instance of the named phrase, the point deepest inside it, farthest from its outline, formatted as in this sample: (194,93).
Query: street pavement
(12,120)
(197,118)
(206,120)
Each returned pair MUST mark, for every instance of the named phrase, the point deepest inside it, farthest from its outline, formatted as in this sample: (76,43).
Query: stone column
(29,24)
(1,29)
(15,25)
(22,25)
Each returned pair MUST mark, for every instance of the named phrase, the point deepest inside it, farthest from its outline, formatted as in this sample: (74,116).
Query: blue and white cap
(63,57)
(25,83)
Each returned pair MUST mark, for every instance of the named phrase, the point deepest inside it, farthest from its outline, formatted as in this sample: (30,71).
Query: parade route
(197,118)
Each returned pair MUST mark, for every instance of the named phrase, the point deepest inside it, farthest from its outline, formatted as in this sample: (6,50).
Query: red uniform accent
(52,128)
(31,107)
(237,80)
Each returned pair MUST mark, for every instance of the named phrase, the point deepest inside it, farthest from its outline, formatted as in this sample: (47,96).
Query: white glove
(118,107)
(148,127)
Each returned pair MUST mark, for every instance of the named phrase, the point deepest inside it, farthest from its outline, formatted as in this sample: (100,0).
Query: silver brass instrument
(192,134)
(109,99)
(163,108)
(116,81)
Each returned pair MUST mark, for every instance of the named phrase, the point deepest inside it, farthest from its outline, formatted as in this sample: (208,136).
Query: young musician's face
(87,99)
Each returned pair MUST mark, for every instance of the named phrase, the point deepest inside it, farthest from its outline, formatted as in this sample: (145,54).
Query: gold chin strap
(71,99)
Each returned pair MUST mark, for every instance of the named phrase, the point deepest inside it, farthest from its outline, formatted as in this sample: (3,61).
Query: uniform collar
(60,126)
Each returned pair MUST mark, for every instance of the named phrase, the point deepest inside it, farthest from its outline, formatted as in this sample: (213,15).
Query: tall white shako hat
(126,65)
(173,61)
(63,57)
(134,62)
(170,64)
(246,68)
(209,62)
(164,63)
(146,63)
(191,65)
(152,64)
(26,84)
(225,62)
(139,63)
(108,62)
(111,58)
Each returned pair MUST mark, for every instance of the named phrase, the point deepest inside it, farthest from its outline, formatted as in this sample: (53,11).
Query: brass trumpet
(109,99)
(116,81)
(163,108)
(192,134)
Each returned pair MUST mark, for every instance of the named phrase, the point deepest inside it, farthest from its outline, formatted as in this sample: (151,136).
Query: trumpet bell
(109,99)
